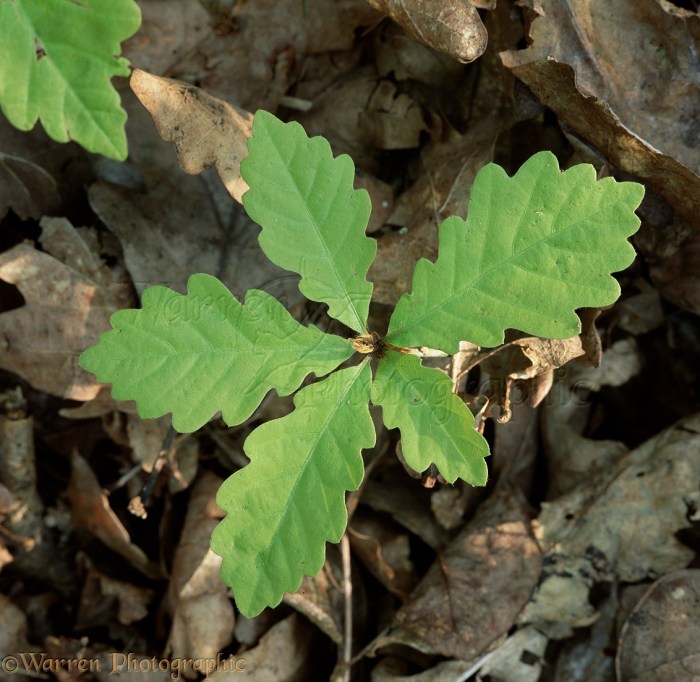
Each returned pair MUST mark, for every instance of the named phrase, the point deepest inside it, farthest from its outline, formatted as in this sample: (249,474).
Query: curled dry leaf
(530,359)
(659,641)
(206,130)
(70,294)
(320,598)
(476,588)
(91,512)
(203,615)
(453,27)
(624,77)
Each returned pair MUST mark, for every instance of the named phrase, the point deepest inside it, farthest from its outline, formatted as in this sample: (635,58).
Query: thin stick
(347,591)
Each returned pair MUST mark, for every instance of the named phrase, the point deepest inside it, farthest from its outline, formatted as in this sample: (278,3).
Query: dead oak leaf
(453,27)
(203,615)
(624,77)
(477,586)
(69,295)
(659,641)
(91,512)
(531,360)
(620,525)
(206,130)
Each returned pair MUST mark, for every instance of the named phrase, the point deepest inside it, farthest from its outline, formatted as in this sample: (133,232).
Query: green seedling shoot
(534,247)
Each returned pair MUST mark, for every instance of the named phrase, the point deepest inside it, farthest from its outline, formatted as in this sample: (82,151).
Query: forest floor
(577,562)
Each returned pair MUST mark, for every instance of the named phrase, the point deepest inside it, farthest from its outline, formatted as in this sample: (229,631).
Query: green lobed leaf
(198,354)
(534,247)
(290,500)
(68,86)
(313,220)
(436,426)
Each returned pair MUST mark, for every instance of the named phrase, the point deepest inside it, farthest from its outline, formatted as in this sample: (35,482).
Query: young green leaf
(67,84)
(313,220)
(533,248)
(290,500)
(436,426)
(198,354)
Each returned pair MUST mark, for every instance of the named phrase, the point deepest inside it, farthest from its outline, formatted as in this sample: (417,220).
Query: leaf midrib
(317,229)
(302,469)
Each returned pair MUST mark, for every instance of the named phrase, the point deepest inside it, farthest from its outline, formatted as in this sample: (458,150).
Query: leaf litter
(588,527)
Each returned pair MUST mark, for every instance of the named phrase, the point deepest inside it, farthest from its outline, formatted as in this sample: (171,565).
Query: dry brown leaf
(452,27)
(168,33)
(206,131)
(516,447)
(620,362)
(642,312)
(91,512)
(443,189)
(34,172)
(623,77)
(587,540)
(70,294)
(102,596)
(320,598)
(407,59)
(408,505)
(571,458)
(477,586)
(520,658)
(156,232)
(245,52)
(384,550)
(673,254)
(26,188)
(283,655)
(531,360)
(449,505)
(395,669)
(586,657)
(661,639)
(203,615)
(13,629)
(360,113)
